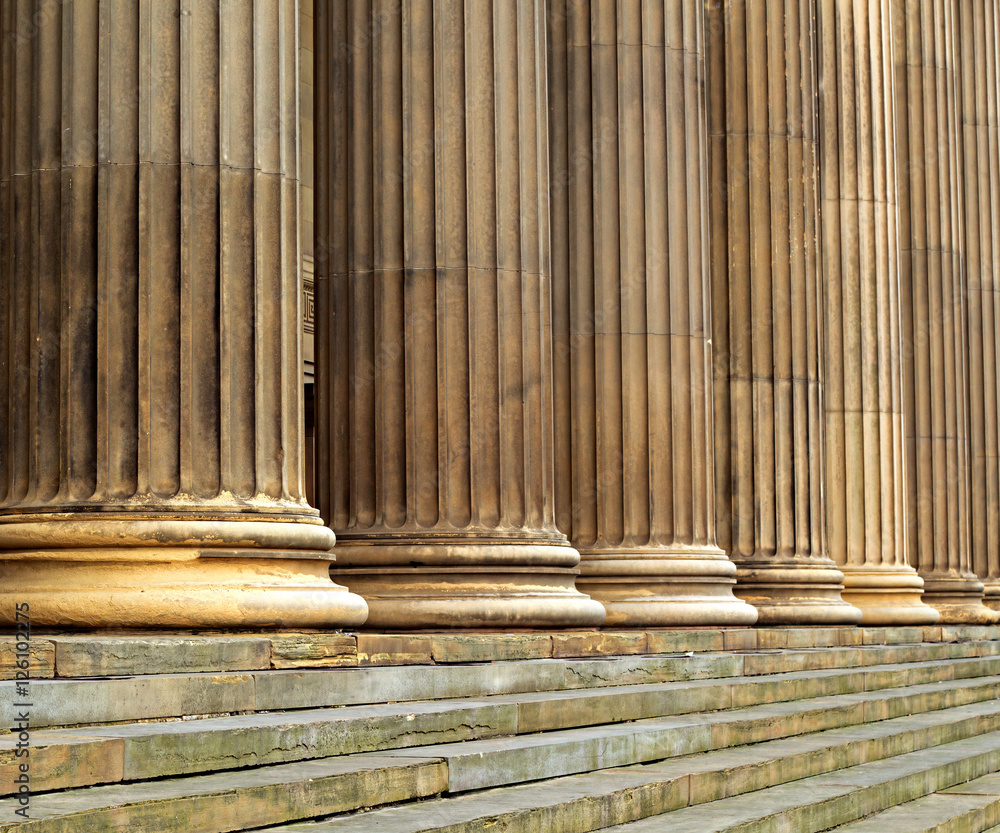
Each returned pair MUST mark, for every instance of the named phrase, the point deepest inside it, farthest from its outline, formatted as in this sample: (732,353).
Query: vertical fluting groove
(149,255)
(159,255)
(425,493)
(200,368)
(268,245)
(935,316)
(7,18)
(435,311)
(979,83)
(629,190)
(45,307)
(78,278)
(559,129)
(865,483)
(291,391)
(769,305)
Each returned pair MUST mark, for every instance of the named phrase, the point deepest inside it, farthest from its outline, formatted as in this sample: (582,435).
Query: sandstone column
(434,332)
(936,358)
(150,468)
(979,21)
(865,499)
(767,310)
(635,479)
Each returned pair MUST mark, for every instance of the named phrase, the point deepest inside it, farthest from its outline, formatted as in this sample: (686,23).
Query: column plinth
(632,315)
(150,389)
(767,309)
(434,333)
(934,298)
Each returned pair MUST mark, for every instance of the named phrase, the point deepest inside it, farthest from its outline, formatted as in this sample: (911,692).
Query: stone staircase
(862,728)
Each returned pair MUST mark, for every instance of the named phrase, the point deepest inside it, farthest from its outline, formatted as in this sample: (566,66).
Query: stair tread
(173,748)
(929,814)
(740,811)
(511,805)
(226,785)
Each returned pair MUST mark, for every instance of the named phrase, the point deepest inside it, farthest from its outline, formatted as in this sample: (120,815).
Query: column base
(991,593)
(959,598)
(664,588)
(887,595)
(795,593)
(86,572)
(411,585)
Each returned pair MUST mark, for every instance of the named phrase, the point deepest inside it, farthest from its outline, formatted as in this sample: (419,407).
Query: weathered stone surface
(235,800)
(96,656)
(595,800)
(493,647)
(234,742)
(942,811)
(825,801)
(819,637)
(62,762)
(72,702)
(389,649)
(599,643)
(313,650)
(675,641)
(896,636)
(739,639)
(41,658)
(310,689)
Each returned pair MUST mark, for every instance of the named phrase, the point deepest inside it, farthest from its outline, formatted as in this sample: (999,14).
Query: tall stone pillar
(767,307)
(634,472)
(935,335)
(865,472)
(979,22)
(434,332)
(150,467)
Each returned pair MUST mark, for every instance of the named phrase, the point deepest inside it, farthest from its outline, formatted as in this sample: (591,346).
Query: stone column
(434,333)
(979,22)
(936,357)
(865,472)
(767,310)
(634,471)
(150,414)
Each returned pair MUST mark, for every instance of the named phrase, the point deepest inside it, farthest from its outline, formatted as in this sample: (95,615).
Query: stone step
(601,799)
(66,758)
(823,802)
(137,653)
(65,702)
(967,808)
(270,795)
(476,765)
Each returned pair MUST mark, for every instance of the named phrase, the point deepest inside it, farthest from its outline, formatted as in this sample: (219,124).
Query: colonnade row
(635,312)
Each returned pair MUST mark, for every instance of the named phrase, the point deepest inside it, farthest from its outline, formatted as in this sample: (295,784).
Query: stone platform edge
(76,655)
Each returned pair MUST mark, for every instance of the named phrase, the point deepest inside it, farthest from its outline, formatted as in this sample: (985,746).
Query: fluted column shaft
(434,327)
(979,27)
(635,479)
(767,310)
(935,370)
(865,472)
(150,397)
